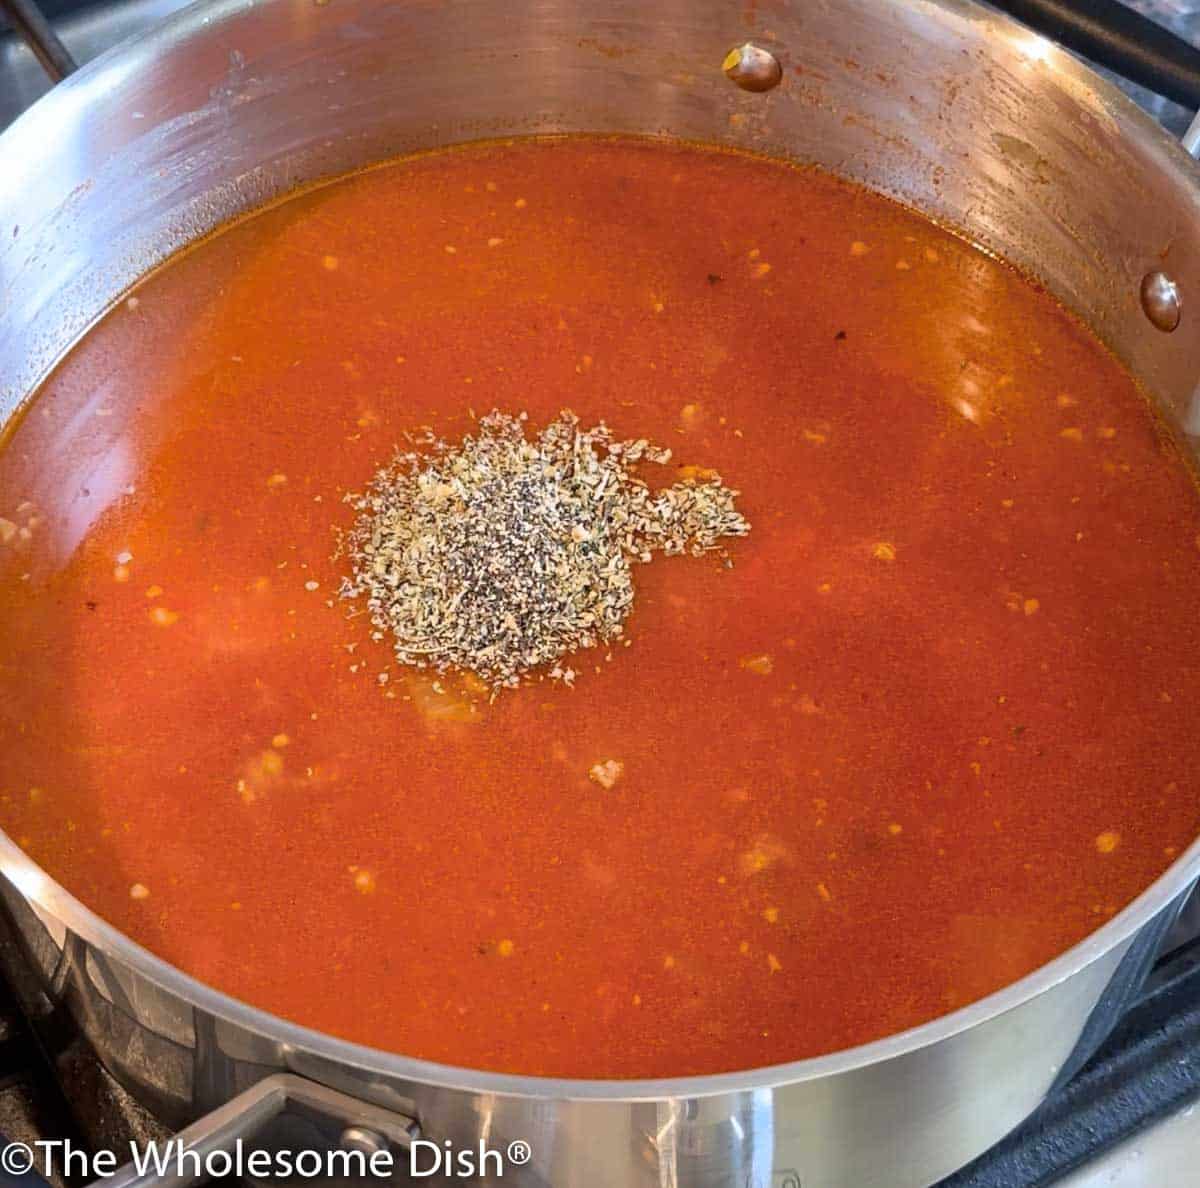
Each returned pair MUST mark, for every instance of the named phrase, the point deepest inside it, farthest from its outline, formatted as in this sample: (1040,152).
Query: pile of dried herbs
(500,555)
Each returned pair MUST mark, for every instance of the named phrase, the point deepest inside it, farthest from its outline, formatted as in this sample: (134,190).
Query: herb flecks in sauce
(501,555)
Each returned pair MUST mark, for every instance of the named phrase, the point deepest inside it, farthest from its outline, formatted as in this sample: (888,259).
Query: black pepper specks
(501,555)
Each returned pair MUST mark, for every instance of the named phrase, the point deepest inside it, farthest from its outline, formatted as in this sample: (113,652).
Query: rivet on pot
(359,1138)
(1161,301)
(752,68)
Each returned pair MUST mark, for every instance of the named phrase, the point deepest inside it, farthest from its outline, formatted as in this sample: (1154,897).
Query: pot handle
(365,1128)
(1109,32)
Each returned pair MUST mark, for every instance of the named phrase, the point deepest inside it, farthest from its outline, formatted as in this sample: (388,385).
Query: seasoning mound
(500,555)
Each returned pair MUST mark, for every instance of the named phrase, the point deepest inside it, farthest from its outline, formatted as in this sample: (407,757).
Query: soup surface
(934,725)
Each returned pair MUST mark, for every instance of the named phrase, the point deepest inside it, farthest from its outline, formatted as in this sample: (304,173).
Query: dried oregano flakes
(502,554)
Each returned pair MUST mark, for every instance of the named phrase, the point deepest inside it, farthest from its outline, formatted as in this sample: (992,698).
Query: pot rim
(39,888)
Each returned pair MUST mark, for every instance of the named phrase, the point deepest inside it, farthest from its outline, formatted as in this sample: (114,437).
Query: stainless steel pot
(971,118)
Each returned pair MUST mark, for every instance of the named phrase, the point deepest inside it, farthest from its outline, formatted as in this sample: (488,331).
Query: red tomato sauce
(934,726)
